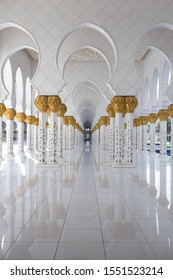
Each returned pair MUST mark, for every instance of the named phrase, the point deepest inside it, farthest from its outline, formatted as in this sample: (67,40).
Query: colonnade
(127,134)
(47,136)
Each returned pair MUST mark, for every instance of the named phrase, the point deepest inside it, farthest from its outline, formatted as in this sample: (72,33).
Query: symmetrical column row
(45,135)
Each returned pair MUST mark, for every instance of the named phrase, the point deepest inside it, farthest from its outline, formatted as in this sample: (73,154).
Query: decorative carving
(71,120)
(2,109)
(65,120)
(36,122)
(86,54)
(152,118)
(62,110)
(21,117)
(110,111)
(118,103)
(30,119)
(10,114)
(41,103)
(144,120)
(170,110)
(130,103)
(163,115)
(54,103)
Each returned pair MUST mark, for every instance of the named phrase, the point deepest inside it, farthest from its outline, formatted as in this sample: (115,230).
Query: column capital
(110,111)
(144,120)
(71,120)
(170,110)
(54,102)
(131,103)
(21,117)
(10,114)
(118,103)
(65,120)
(36,122)
(30,119)
(41,102)
(2,109)
(62,110)
(152,118)
(163,115)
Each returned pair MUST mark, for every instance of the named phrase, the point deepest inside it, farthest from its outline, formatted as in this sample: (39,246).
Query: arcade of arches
(86,129)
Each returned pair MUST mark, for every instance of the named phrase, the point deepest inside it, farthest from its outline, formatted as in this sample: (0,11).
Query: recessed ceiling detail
(86,55)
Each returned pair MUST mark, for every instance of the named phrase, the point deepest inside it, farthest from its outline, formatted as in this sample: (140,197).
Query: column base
(123,165)
(20,153)
(9,156)
(61,159)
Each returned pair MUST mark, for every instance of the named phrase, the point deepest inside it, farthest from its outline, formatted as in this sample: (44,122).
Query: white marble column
(60,138)
(2,110)
(152,119)
(29,137)
(144,121)
(42,138)
(52,143)
(1,138)
(118,138)
(170,110)
(163,116)
(36,123)
(112,138)
(129,156)
(21,126)
(10,114)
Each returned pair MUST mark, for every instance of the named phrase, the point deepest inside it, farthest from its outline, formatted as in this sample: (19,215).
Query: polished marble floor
(85,209)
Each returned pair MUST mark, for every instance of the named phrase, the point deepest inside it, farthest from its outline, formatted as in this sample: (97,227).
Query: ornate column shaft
(163,116)
(36,123)
(21,118)
(71,122)
(130,105)
(42,104)
(54,103)
(152,118)
(2,110)
(66,132)
(170,110)
(10,115)
(61,131)
(144,121)
(29,120)
(118,105)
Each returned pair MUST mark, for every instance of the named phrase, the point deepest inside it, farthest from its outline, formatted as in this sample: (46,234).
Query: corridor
(85,209)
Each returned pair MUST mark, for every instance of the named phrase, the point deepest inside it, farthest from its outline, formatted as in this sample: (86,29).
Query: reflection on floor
(85,209)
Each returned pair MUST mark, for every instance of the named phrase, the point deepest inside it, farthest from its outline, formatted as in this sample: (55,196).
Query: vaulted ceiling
(87,49)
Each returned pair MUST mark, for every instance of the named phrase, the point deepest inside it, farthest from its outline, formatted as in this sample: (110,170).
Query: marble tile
(80,251)
(82,223)
(81,235)
(129,251)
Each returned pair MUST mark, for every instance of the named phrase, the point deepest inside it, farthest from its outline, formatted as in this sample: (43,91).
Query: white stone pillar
(129,157)
(41,103)
(29,136)
(143,120)
(152,119)
(36,123)
(10,114)
(42,138)
(2,110)
(170,110)
(118,138)
(60,138)
(21,118)
(163,116)
(52,143)
(112,138)
(1,138)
